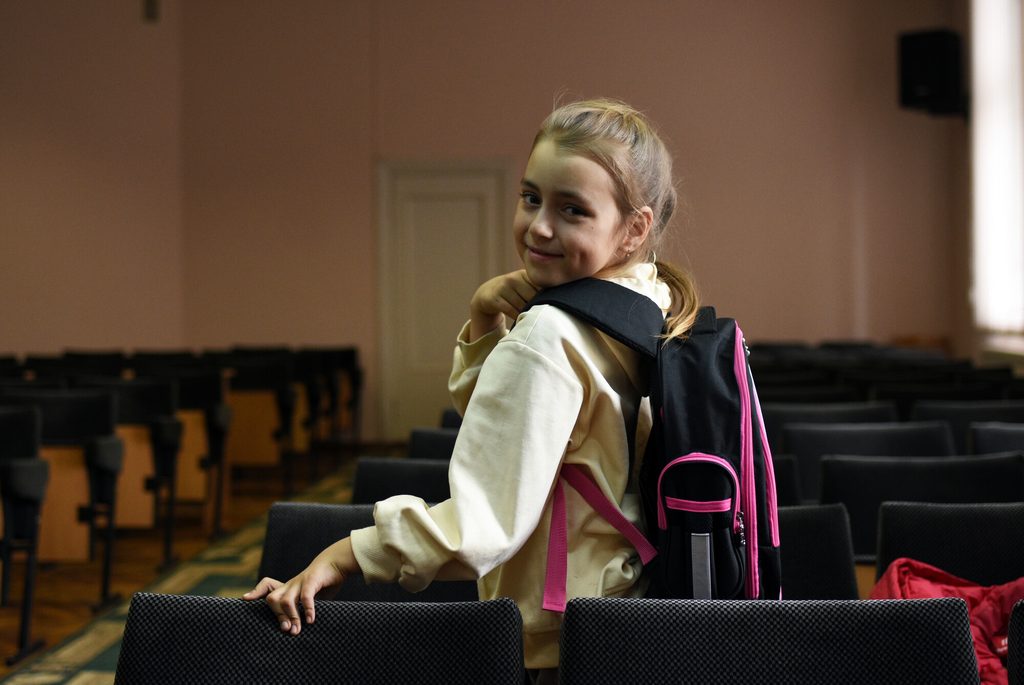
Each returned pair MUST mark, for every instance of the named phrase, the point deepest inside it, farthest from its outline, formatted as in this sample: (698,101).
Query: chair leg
(218,500)
(288,463)
(169,558)
(107,599)
(5,573)
(25,644)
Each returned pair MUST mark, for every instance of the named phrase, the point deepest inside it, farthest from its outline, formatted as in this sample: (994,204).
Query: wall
(815,207)
(90,177)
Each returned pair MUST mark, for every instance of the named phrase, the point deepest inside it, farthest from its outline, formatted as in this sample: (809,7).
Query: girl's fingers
(262,589)
(308,604)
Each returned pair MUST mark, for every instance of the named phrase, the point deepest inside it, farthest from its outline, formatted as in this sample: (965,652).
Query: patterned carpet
(227,568)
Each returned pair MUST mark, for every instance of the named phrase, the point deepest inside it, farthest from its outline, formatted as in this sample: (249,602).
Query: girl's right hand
(327,571)
(501,296)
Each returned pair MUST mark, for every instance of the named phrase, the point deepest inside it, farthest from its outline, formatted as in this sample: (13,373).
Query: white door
(443,231)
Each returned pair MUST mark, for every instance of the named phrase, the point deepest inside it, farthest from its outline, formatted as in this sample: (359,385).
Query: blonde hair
(624,143)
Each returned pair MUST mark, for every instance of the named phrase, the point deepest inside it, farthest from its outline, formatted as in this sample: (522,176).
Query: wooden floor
(66,592)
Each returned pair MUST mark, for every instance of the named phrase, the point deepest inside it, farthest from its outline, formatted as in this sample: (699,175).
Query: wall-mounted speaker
(931,72)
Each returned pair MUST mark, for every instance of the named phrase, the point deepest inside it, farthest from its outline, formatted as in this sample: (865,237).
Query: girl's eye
(530,198)
(574,211)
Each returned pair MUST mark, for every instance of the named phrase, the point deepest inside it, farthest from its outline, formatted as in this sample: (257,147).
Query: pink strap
(748,500)
(555,576)
(558,543)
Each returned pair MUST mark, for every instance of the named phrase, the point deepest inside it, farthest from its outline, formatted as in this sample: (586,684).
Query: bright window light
(997,130)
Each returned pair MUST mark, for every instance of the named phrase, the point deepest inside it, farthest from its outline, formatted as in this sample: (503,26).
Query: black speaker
(931,72)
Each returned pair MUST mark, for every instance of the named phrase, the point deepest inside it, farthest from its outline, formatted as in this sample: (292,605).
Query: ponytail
(685,300)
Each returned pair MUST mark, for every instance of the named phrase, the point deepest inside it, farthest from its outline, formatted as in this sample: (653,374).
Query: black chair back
(787,480)
(778,415)
(21,431)
(298,531)
(809,442)
(69,417)
(231,641)
(840,642)
(377,478)
(905,396)
(432,443)
(982,542)
(1015,638)
(450,418)
(961,414)
(140,400)
(817,553)
(863,483)
(997,437)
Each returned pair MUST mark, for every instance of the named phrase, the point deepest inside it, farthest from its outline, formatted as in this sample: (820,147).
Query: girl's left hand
(328,570)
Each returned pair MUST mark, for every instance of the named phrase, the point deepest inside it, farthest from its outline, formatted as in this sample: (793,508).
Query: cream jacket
(552,389)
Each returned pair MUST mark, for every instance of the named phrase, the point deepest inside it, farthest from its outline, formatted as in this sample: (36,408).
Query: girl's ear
(638,226)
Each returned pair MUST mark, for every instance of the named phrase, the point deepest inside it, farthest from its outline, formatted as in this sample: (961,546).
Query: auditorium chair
(778,415)
(1015,639)
(840,642)
(817,553)
(809,442)
(262,391)
(86,458)
(23,479)
(960,414)
(787,480)
(997,437)
(201,398)
(432,443)
(906,395)
(343,385)
(377,478)
(451,418)
(981,542)
(298,531)
(862,484)
(172,639)
(149,405)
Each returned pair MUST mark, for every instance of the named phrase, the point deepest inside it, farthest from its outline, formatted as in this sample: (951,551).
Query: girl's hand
(502,296)
(328,570)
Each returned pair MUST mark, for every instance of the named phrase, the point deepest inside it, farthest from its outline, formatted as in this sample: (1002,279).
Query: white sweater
(551,389)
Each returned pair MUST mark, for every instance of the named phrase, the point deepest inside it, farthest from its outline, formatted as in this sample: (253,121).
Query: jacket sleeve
(467,361)
(513,437)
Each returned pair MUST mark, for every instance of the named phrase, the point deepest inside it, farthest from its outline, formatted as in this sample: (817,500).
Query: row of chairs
(957,414)
(603,641)
(311,397)
(791,373)
(982,542)
(894,461)
(805,444)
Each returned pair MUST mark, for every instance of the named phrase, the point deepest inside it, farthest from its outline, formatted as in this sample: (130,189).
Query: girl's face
(567,224)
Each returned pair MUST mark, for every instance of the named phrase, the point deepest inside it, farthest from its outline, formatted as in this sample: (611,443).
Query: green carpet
(227,569)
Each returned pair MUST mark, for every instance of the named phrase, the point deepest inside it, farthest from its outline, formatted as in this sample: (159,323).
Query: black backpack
(706,480)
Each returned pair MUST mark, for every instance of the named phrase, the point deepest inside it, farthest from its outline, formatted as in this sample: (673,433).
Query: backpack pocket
(700,535)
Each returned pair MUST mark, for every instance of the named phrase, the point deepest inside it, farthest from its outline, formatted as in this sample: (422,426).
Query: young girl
(596,198)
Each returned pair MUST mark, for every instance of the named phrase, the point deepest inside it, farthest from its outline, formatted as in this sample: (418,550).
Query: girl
(596,199)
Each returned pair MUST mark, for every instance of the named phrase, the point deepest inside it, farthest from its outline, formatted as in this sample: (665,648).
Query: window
(997,132)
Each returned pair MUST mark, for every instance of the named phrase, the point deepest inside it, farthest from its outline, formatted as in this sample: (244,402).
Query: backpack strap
(626,315)
(558,543)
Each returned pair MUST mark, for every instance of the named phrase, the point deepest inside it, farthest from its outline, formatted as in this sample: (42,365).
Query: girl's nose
(540,226)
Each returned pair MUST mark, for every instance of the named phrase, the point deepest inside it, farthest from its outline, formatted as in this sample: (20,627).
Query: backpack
(706,481)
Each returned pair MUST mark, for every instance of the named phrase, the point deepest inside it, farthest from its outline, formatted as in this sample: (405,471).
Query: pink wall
(90,177)
(816,208)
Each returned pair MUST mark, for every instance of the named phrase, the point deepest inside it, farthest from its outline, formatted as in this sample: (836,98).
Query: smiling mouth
(540,254)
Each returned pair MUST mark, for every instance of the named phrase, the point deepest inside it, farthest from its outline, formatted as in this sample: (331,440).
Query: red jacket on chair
(989,607)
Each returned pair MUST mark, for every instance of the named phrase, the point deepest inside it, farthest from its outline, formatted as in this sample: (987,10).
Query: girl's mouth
(540,256)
